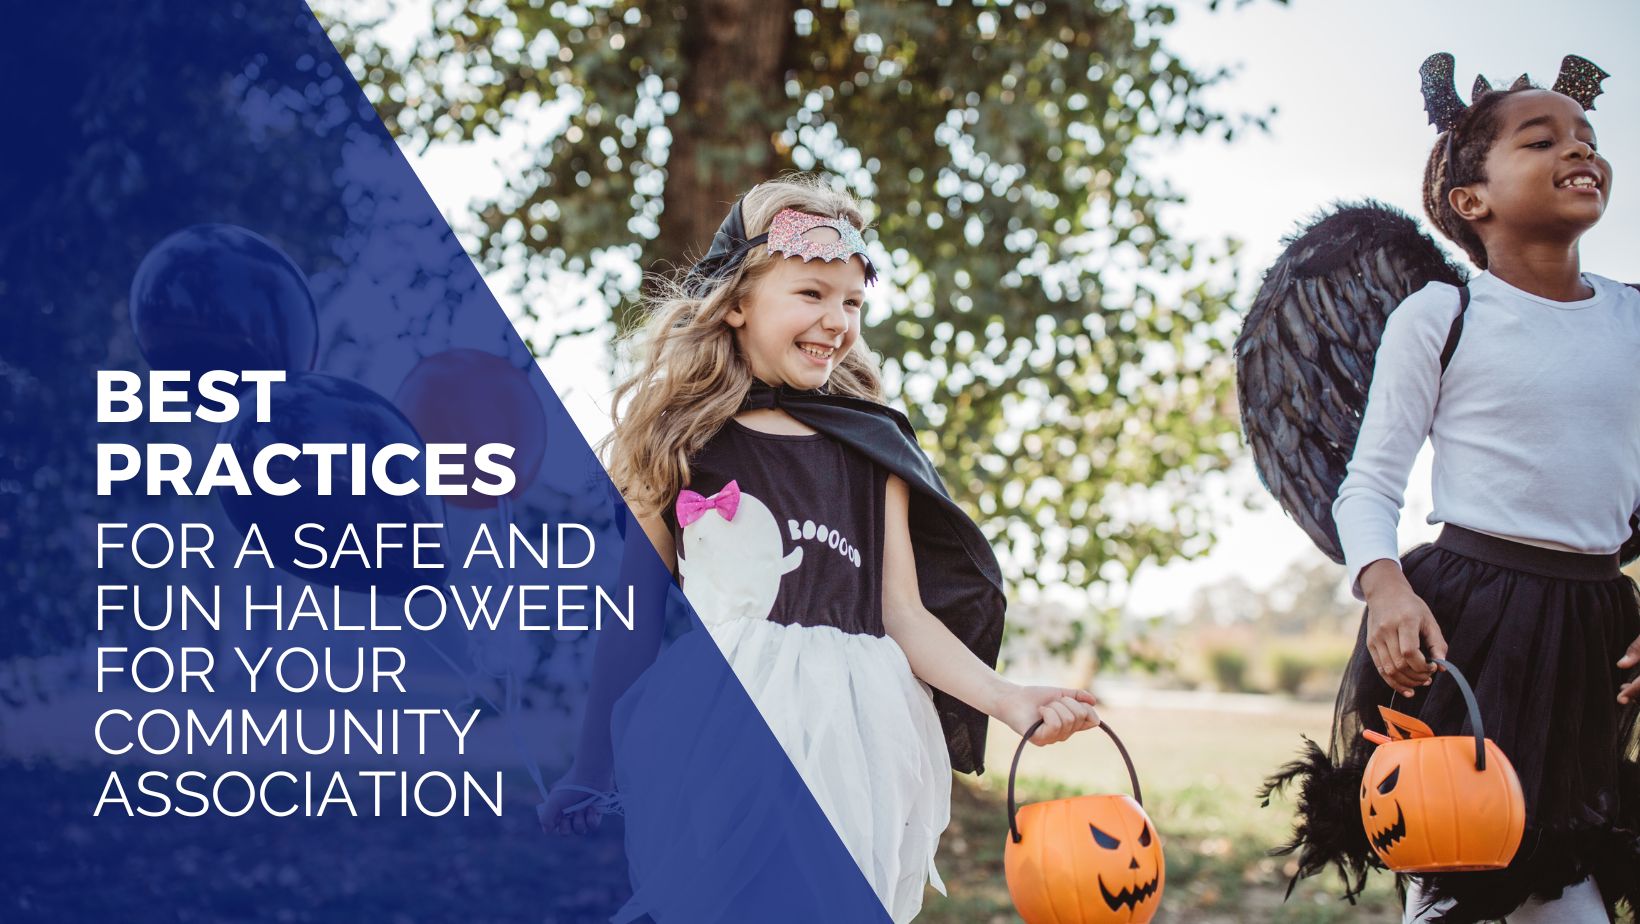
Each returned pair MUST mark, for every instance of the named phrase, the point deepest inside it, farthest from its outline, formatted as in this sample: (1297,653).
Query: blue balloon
(221,297)
(315,408)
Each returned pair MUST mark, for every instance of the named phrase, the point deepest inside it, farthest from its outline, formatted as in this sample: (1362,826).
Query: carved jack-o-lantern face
(1386,821)
(1087,860)
(1427,808)
(1134,884)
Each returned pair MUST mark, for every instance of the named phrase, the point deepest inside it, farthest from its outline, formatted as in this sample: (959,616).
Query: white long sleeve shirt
(1535,424)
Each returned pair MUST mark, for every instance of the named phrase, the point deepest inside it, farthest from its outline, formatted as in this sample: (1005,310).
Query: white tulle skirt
(859,728)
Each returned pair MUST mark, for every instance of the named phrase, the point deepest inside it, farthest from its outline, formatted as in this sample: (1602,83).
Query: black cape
(957,571)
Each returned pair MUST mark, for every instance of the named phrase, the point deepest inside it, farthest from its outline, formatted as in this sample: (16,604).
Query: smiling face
(800,320)
(1544,178)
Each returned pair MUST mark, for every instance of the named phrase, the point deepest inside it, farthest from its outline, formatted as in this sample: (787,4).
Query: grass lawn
(1200,767)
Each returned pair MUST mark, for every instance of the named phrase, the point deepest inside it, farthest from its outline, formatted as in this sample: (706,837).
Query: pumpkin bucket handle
(1474,710)
(1133,775)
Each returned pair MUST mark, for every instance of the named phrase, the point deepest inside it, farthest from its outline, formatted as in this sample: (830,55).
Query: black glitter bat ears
(1441,100)
(1579,78)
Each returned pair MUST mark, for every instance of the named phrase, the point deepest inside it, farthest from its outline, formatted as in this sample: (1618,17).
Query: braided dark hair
(1465,146)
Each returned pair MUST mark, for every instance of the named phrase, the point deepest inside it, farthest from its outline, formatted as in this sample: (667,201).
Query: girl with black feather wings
(1525,380)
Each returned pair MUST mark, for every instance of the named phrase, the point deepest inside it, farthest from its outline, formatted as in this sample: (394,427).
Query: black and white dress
(1536,432)
(785,569)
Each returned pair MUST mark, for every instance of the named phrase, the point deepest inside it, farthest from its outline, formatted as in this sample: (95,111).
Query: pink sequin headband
(799,234)
(791,234)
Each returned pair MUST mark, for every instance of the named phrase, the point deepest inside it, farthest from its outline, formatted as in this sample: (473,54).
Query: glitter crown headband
(1579,79)
(791,234)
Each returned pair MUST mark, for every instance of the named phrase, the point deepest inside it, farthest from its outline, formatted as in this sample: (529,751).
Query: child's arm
(619,659)
(943,661)
(1406,385)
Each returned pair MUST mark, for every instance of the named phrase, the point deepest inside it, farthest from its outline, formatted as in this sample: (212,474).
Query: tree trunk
(731,103)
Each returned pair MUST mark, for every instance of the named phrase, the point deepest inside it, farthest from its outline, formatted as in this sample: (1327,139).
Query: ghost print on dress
(732,557)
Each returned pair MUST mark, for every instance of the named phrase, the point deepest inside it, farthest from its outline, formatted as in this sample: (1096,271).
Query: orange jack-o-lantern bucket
(1444,803)
(1085,860)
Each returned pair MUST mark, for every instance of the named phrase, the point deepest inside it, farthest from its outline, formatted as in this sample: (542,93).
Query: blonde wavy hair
(691,375)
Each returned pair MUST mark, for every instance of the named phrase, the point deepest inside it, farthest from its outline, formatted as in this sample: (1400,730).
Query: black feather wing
(1304,358)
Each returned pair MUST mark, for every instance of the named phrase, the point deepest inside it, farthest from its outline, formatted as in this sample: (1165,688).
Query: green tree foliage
(1062,352)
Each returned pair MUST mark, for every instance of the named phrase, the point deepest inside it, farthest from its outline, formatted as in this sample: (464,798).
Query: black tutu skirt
(1538,634)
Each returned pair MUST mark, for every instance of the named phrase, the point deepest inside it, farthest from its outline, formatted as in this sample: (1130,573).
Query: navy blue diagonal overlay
(193,732)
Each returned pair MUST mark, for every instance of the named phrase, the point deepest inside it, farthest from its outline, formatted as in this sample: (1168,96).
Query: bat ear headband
(791,234)
(1579,78)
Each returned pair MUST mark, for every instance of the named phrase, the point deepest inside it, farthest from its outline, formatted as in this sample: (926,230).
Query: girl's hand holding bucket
(1061,712)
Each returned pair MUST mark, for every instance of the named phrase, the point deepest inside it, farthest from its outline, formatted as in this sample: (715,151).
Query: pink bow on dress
(692,506)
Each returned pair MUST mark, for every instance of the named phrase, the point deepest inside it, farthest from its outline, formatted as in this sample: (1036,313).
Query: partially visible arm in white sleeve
(1406,382)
